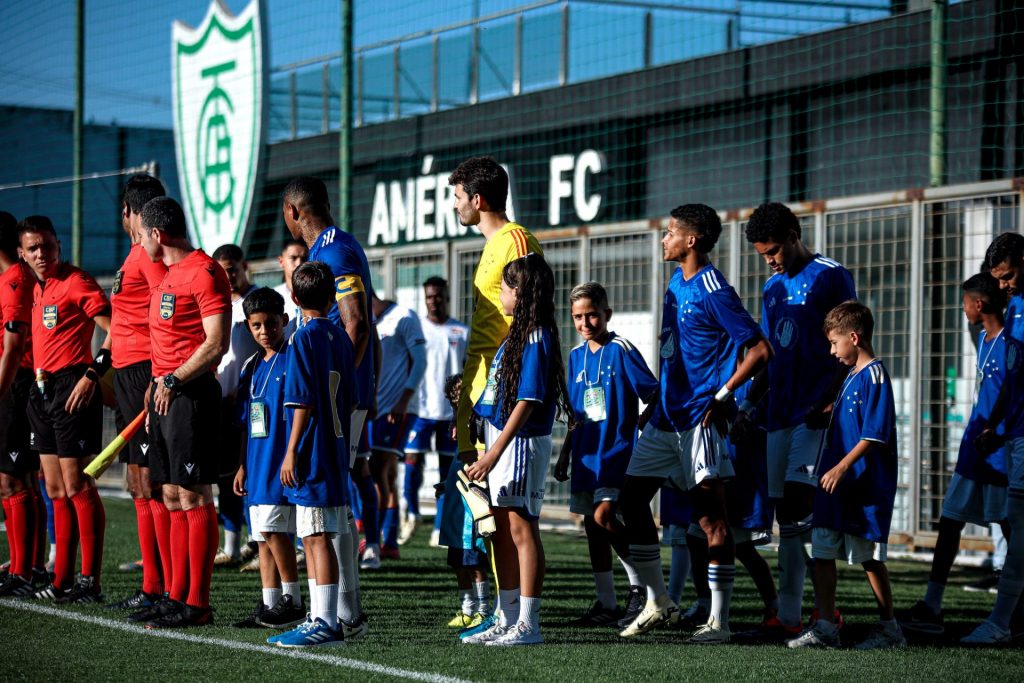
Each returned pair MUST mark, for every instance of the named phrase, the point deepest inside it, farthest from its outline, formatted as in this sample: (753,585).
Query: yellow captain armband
(346,285)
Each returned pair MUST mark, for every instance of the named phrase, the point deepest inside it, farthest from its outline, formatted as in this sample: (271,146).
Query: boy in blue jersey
(1005,261)
(704,332)
(320,396)
(261,412)
(977,490)
(803,288)
(854,503)
(607,380)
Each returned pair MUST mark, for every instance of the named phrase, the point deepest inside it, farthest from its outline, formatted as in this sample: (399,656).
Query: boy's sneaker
(388,553)
(921,620)
(252,565)
(285,614)
(163,607)
(837,619)
(493,633)
(460,620)
(137,601)
(693,618)
(986,584)
(652,616)
(370,558)
(520,634)
(272,640)
(986,634)
(186,617)
(222,559)
(770,630)
(249,551)
(435,539)
(883,636)
(16,587)
(599,615)
(817,636)
(49,592)
(635,602)
(405,534)
(311,634)
(85,591)
(360,628)
(711,633)
(485,623)
(40,578)
(253,620)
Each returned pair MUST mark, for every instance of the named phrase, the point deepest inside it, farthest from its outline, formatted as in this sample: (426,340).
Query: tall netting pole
(344,216)
(77,149)
(937,143)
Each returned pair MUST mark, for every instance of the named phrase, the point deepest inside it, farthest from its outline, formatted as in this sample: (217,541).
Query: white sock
(647,561)
(327,603)
(792,571)
(348,574)
(53,552)
(529,612)
(933,595)
(482,592)
(631,574)
(271,596)
(292,589)
(508,602)
(720,579)
(468,601)
(231,543)
(604,582)
(312,597)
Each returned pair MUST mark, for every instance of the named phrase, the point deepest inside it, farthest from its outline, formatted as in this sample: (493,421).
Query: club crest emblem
(786,333)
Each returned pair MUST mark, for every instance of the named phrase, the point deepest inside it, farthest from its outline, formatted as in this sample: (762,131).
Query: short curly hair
(703,220)
(772,222)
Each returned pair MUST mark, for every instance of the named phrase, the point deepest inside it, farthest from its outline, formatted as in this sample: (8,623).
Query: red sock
(147,546)
(20,529)
(92,522)
(12,538)
(162,526)
(203,535)
(179,555)
(66,534)
(40,541)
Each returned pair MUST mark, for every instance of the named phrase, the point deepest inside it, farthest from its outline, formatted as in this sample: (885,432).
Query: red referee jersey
(16,304)
(129,301)
(63,309)
(194,288)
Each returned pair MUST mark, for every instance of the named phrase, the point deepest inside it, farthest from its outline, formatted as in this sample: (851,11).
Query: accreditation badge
(258,420)
(166,306)
(593,404)
(49,317)
(491,390)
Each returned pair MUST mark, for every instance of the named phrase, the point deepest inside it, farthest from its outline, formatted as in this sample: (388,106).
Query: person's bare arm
(355,318)
(82,393)
(207,355)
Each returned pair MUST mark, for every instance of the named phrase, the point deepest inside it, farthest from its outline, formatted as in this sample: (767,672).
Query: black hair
(313,285)
(534,283)
(483,176)
(263,300)
(702,220)
(9,235)
(1007,247)
(38,224)
(164,214)
(228,252)
(985,287)
(772,222)
(293,243)
(139,189)
(308,195)
(435,281)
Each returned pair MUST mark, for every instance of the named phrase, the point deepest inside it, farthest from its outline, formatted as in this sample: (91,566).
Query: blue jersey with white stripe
(535,384)
(345,257)
(793,311)
(1014,324)
(703,328)
(862,503)
(262,382)
(319,377)
(601,448)
(991,468)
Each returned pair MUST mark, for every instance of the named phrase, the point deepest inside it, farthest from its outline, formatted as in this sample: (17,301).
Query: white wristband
(723,394)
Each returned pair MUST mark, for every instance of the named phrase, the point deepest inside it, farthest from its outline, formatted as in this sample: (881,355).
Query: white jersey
(403,358)
(446,353)
(242,345)
(291,308)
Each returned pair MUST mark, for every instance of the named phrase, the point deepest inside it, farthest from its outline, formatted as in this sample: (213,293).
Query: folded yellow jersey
(478,502)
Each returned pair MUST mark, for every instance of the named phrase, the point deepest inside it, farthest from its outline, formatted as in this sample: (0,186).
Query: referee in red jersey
(189,314)
(65,408)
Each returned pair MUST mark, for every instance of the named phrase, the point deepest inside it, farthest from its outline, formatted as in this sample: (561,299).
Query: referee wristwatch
(171,382)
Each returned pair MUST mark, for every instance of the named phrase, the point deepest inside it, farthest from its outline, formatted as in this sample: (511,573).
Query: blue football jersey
(1013,362)
(793,311)
(862,504)
(605,390)
(989,469)
(319,376)
(261,404)
(703,327)
(535,383)
(1014,324)
(345,257)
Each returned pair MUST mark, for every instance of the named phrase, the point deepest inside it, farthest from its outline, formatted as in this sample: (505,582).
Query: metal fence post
(325,85)
(517,57)
(563,66)
(396,81)
(293,96)
(915,351)
(435,90)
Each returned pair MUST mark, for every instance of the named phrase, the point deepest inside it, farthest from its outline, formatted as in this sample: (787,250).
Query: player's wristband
(101,363)
(91,375)
(723,394)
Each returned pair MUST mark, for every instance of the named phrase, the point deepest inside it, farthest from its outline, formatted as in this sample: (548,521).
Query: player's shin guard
(151,582)
(202,548)
(721,578)
(21,532)
(161,517)
(178,581)
(1011,581)
(92,523)
(792,571)
(66,535)
(647,561)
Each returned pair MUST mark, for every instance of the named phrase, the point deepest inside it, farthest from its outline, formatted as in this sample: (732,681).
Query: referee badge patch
(117,282)
(166,306)
(49,317)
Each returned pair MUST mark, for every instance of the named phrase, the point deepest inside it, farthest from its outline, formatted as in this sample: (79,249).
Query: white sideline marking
(342,662)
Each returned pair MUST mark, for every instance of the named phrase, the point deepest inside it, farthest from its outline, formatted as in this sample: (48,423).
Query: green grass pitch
(410,600)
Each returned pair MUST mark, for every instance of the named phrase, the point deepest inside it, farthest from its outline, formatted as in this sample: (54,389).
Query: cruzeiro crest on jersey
(218,92)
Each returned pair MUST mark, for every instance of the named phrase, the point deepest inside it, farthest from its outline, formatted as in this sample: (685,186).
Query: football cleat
(652,616)
(186,617)
(986,584)
(770,630)
(520,634)
(483,637)
(84,591)
(485,623)
(252,621)
(222,559)
(883,636)
(987,634)
(837,620)
(693,618)
(711,633)
(249,551)
(360,628)
(599,615)
(137,601)
(16,587)
(407,531)
(460,620)
(284,614)
(387,553)
(272,640)
(312,634)
(49,592)
(371,558)
(163,607)
(817,636)
(921,620)
(634,605)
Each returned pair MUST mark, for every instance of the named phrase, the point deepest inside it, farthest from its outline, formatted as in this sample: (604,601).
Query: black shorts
(184,444)
(57,432)
(130,385)
(17,457)
(231,443)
